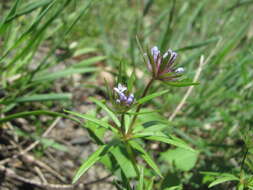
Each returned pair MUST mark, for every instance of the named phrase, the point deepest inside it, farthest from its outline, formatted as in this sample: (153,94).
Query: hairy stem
(140,105)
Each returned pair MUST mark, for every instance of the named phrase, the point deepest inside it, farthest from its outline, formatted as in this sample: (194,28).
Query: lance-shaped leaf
(146,157)
(170,140)
(151,96)
(93,119)
(150,184)
(108,111)
(140,185)
(181,83)
(92,159)
(44,97)
(121,156)
(222,179)
(42,77)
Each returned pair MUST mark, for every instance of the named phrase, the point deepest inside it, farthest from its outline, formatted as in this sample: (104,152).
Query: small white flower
(179,70)
(120,89)
(167,53)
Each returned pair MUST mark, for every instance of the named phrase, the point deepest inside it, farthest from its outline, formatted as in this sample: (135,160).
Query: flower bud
(162,66)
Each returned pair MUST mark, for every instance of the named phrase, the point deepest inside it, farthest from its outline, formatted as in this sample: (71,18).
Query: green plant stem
(122,124)
(132,158)
(140,105)
(243,159)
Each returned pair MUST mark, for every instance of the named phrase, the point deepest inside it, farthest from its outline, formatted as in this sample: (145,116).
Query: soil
(49,168)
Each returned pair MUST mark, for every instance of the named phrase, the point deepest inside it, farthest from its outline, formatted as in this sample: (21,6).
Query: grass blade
(37,112)
(44,97)
(60,74)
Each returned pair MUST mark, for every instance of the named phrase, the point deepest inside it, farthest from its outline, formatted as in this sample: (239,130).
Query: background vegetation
(55,54)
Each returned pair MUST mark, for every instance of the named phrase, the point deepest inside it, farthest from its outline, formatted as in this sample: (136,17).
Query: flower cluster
(122,97)
(162,66)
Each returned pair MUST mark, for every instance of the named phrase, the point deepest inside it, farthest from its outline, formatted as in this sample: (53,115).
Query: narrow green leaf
(223,179)
(150,184)
(44,97)
(10,14)
(182,83)
(105,108)
(198,45)
(63,73)
(231,43)
(122,157)
(141,50)
(130,82)
(151,96)
(37,112)
(96,156)
(141,112)
(146,157)
(25,35)
(29,7)
(126,185)
(148,134)
(93,119)
(173,141)
(89,61)
(82,11)
(140,185)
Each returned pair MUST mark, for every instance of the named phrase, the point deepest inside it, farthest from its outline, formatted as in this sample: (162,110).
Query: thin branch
(101,180)
(202,63)
(40,174)
(49,129)
(10,173)
(189,90)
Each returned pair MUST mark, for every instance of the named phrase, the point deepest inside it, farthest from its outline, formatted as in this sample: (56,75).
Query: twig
(10,173)
(49,129)
(33,160)
(40,174)
(196,77)
(98,180)
(189,90)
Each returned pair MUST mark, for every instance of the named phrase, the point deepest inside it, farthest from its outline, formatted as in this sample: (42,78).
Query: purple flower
(122,97)
(155,53)
(162,66)
(130,99)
